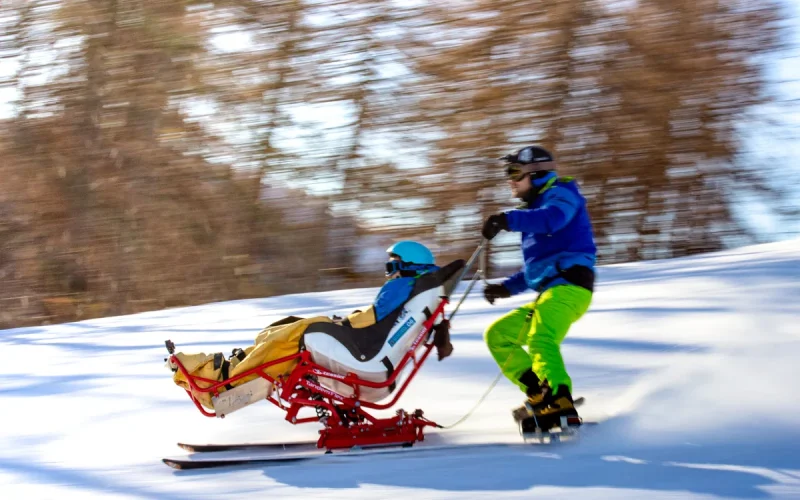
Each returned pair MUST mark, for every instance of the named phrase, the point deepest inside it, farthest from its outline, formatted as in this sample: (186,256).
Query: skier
(408,260)
(559,253)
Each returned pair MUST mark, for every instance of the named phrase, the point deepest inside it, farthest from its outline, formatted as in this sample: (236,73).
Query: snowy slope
(691,363)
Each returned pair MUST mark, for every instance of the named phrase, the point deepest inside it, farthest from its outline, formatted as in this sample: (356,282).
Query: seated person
(408,261)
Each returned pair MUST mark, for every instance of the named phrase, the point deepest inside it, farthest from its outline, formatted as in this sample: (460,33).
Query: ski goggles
(394,266)
(517,172)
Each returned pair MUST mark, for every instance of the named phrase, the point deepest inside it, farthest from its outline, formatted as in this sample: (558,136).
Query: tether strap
(220,363)
(226,365)
(389,370)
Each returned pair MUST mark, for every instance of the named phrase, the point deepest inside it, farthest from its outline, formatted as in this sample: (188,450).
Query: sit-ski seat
(371,353)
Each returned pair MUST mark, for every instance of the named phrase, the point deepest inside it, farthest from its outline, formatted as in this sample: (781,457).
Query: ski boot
(556,410)
(536,391)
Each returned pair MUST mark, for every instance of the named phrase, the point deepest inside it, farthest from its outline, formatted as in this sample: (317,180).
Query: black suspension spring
(322,412)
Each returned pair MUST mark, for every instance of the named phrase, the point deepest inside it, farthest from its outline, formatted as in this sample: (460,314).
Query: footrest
(242,395)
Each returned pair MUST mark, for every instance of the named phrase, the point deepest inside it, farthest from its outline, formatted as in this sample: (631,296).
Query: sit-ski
(342,373)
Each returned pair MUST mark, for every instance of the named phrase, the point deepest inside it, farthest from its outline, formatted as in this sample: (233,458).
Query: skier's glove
(493,225)
(492,292)
(441,339)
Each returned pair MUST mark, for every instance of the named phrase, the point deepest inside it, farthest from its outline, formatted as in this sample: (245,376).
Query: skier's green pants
(541,326)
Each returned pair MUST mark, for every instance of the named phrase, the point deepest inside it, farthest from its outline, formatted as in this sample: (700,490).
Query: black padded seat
(365,343)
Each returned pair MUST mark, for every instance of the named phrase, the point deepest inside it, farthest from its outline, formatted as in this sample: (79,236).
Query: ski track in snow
(691,364)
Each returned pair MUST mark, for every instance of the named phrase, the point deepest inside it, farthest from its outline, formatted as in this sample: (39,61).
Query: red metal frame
(346,423)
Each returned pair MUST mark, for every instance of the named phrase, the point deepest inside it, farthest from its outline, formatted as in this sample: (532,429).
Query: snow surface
(691,364)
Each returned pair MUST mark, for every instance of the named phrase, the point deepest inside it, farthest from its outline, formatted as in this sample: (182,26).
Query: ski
(292,446)
(254,457)
(557,434)
(189,464)
(208,456)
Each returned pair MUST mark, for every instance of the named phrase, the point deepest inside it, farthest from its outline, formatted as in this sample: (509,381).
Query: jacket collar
(539,187)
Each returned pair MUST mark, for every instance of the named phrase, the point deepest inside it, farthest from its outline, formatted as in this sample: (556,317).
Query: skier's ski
(188,464)
(254,457)
(293,446)
(570,432)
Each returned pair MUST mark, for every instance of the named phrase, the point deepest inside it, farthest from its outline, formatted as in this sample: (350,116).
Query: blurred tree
(150,145)
(641,101)
(121,210)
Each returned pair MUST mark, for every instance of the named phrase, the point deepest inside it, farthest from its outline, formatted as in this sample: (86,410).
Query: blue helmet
(412,252)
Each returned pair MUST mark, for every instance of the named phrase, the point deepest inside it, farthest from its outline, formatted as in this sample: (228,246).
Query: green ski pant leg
(551,317)
(505,338)
(555,311)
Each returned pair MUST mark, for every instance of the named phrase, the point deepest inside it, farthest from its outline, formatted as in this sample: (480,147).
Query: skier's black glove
(441,339)
(493,225)
(492,292)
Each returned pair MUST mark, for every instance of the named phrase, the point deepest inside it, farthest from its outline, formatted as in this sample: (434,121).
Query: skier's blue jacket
(556,234)
(393,294)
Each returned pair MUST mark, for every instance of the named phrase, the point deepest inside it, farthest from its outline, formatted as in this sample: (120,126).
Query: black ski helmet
(528,160)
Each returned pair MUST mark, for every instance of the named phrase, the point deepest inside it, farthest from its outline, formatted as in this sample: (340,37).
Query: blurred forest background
(166,153)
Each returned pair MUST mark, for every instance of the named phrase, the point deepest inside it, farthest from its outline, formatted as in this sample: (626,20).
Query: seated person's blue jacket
(556,234)
(393,294)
